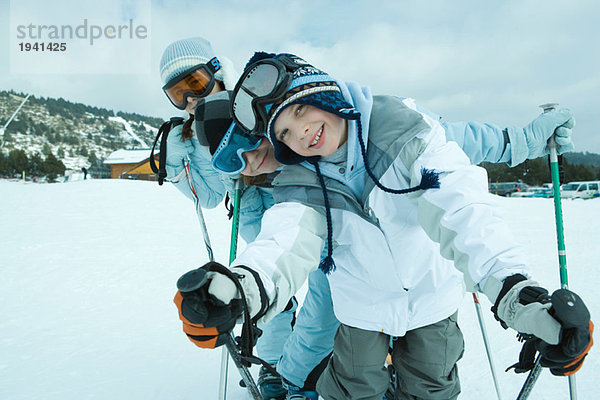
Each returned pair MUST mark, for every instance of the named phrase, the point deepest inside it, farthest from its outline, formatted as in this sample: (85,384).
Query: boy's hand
(206,320)
(561,323)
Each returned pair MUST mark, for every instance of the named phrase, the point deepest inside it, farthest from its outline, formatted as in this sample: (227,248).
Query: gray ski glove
(563,352)
(532,141)
(532,318)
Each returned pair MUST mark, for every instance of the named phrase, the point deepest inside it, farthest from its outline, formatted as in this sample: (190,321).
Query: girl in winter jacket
(185,69)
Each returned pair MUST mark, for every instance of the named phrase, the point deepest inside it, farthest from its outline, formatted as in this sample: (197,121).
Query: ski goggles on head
(263,83)
(228,157)
(197,81)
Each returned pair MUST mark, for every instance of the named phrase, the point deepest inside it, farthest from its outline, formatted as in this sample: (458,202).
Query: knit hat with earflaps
(311,86)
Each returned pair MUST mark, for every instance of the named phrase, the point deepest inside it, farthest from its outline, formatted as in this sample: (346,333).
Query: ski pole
(562,257)
(209,250)
(247,378)
(487,346)
(230,345)
(235,223)
(232,251)
(560,237)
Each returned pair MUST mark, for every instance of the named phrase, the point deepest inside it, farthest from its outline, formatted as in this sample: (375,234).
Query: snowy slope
(88,272)
(129,130)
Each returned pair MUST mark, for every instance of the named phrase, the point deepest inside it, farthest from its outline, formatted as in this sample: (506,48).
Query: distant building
(131,164)
(99,172)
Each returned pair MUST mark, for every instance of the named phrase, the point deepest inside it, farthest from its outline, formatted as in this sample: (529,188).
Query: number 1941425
(42,46)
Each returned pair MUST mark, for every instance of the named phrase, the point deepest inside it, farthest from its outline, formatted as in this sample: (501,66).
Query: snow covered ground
(88,272)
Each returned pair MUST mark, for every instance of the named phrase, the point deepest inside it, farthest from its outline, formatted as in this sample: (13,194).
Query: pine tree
(7,138)
(35,165)
(92,158)
(3,164)
(17,162)
(46,149)
(18,125)
(52,167)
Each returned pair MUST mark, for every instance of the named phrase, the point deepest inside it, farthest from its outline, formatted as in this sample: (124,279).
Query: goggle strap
(213,65)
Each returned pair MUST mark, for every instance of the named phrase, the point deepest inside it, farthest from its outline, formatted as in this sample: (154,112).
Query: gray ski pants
(425,360)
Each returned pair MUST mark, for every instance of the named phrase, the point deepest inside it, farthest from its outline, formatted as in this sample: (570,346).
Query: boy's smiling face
(310,131)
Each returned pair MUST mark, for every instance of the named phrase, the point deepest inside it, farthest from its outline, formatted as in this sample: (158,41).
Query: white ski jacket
(402,261)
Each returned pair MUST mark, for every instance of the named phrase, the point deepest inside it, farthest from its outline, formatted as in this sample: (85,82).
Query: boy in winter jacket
(376,292)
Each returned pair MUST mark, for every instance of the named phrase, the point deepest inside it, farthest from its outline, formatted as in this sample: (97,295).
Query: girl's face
(192,100)
(260,160)
(310,131)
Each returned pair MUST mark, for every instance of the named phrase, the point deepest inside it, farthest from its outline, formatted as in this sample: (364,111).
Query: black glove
(206,320)
(567,357)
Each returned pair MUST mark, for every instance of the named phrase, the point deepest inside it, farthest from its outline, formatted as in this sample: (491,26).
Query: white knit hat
(184,54)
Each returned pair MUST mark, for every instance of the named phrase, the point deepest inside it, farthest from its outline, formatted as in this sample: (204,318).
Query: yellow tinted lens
(194,84)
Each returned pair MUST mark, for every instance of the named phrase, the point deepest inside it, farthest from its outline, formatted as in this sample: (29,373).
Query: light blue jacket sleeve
(206,181)
(480,142)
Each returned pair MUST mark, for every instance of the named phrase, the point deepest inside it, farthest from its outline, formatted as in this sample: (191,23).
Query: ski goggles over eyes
(228,157)
(197,81)
(263,83)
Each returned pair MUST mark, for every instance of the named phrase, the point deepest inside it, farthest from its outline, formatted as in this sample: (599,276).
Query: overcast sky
(490,61)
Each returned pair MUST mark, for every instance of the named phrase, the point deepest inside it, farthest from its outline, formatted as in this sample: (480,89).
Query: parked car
(580,190)
(536,191)
(507,188)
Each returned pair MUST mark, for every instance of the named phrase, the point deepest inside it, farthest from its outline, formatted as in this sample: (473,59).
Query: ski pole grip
(569,309)
(192,280)
(547,108)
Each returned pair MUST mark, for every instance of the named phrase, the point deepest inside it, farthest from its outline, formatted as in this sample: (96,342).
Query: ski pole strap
(527,356)
(158,135)
(259,361)
(250,332)
(561,168)
(264,301)
(228,206)
(247,379)
(163,132)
